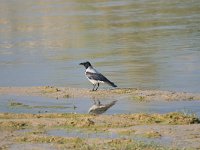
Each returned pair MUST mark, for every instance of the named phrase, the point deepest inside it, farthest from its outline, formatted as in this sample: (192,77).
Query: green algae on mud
(14,104)
(39,124)
(152,134)
(85,143)
(15,125)
(101,122)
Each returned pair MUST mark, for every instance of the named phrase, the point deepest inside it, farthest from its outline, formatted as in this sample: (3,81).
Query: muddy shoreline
(172,130)
(131,93)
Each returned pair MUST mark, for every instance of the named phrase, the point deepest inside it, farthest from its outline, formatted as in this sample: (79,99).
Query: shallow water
(82,134)
(141,44)
(108,135)
(37,104)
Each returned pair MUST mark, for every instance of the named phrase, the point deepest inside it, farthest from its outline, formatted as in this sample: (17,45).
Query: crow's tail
(111,83)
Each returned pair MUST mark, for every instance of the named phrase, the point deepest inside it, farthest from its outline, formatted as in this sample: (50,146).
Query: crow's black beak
(81,64)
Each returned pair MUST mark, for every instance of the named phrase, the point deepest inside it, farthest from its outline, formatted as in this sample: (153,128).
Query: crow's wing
(99,77)
(96,76)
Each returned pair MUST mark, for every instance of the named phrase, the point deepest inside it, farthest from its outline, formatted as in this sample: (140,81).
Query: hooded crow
(94,76)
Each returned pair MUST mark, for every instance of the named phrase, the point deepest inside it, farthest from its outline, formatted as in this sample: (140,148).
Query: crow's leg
(97,86)
(94,87)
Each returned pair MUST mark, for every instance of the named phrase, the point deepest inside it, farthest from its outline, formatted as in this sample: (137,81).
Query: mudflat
(173,130)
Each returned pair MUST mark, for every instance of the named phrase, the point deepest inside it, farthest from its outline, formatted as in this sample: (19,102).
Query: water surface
(37,104)
(141,44)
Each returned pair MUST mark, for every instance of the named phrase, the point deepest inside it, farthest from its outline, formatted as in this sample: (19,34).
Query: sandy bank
(66,92)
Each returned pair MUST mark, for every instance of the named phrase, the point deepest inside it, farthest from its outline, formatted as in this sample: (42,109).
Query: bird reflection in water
(99,108)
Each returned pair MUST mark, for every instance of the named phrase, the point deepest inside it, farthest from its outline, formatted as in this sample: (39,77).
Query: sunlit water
(141,44)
